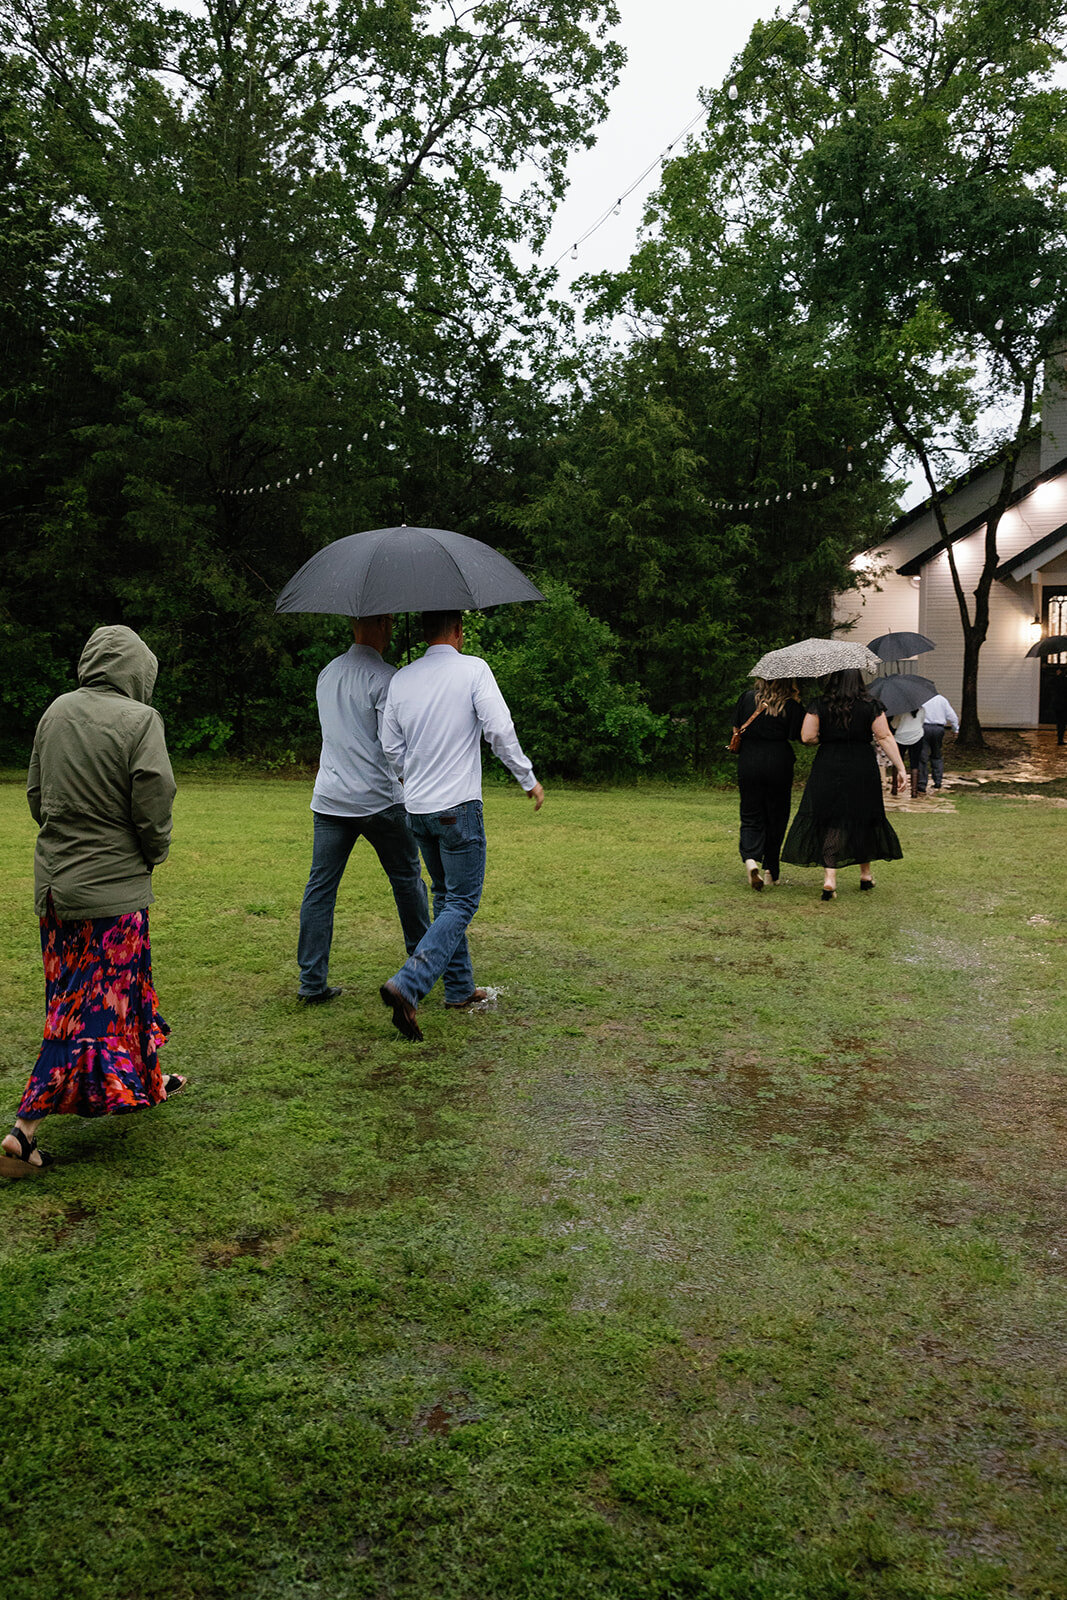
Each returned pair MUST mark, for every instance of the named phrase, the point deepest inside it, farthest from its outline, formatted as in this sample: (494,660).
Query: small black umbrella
(405,569)
(1049,647)
(900,646)
(903,692)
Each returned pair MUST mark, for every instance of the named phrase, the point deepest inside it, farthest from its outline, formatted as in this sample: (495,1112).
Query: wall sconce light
(1035,630)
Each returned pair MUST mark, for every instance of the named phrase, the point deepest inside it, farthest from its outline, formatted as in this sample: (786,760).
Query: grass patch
(726,1258)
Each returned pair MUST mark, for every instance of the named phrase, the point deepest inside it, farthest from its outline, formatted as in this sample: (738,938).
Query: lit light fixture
(732,91)
(1035,630)
(804,13)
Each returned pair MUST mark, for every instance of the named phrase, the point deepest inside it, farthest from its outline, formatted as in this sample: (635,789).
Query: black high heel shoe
(866,883)
(829,894)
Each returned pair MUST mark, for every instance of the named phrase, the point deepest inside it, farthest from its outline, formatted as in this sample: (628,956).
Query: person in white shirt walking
(938,716)
(908,732)
(437,712)
(356,794)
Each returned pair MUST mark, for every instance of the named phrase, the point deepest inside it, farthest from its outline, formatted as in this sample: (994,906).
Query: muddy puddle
(588,1121)
(250,1242)
(1039,761)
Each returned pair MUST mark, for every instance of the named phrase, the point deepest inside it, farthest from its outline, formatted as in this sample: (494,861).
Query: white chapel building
(906,582)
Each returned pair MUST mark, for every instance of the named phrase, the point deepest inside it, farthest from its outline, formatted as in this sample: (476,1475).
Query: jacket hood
(117,658)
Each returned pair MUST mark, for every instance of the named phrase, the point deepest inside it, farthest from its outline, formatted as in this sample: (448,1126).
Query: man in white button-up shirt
(356,794)
(937,716)
(437,712)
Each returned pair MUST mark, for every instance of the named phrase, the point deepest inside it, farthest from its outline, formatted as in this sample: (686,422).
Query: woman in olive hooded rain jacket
(101,788)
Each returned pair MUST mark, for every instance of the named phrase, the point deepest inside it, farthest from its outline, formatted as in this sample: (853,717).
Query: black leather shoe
(319,999)
(403,1013)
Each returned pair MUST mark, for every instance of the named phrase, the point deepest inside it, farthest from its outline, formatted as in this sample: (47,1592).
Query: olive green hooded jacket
(100,785)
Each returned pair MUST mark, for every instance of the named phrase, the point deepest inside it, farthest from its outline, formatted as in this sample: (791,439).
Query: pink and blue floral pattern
(103,1031)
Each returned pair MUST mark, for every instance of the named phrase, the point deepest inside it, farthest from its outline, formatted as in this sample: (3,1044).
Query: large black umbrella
(1049,647)
(906,691)
(405,569)
(900,646)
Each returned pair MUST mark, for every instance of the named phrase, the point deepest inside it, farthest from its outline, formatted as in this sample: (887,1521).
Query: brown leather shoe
(474,999)
(403,1013)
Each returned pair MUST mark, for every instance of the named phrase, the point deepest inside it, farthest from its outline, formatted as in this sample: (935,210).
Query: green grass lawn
(726,1258)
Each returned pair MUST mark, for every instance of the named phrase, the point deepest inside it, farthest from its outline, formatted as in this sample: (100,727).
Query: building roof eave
(1035,555)
(913,568)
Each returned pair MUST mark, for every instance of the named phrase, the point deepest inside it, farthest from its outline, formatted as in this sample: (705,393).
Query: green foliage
(286,254)
(556,666)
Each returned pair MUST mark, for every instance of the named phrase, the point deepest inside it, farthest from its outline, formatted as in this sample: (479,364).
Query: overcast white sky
(674,48)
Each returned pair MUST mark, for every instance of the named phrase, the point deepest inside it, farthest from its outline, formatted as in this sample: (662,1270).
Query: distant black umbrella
(1049,647)
(900,646)
(904,692)
(405,569)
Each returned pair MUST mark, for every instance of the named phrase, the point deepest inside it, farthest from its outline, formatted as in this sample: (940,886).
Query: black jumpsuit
(765,779)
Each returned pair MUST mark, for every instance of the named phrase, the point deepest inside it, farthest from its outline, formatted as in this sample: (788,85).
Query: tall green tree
(294,227)
(894,175)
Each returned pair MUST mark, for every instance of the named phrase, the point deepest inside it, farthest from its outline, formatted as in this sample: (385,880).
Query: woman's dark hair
(840,693)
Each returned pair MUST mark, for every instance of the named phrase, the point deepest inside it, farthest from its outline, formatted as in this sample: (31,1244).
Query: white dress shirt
(354,780)
(436,713)
(938,710)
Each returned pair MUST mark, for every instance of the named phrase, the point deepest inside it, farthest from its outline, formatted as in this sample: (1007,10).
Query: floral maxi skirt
(103,1031)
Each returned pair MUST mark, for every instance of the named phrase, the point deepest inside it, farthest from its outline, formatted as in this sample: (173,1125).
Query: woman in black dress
(841,819)
(765,771)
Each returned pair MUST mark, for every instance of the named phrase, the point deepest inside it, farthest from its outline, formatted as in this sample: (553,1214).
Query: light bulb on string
(732,91)
(1034,282)
(999,324)
(804,13)
(616,208)
(574,252)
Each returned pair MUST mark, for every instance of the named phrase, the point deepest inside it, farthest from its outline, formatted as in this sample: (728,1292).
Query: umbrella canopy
(904,692)
(1049,647)
(814,658)
(405,569)
(899,646)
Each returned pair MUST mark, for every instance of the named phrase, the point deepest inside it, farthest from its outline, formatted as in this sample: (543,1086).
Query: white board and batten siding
(889,604)
(1008,683)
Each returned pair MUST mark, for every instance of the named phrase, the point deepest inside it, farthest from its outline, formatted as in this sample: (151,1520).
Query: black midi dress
(765,779)
(841,818)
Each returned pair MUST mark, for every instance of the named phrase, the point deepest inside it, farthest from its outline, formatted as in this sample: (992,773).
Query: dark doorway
(1053,620)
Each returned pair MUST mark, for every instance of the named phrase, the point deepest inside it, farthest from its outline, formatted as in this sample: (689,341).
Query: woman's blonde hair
(772,694)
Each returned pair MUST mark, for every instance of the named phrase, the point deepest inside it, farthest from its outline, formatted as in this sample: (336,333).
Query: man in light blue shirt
(938,716)
(355,794)
(437,712)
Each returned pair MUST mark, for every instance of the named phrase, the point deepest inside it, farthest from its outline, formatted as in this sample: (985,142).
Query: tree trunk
(970,734)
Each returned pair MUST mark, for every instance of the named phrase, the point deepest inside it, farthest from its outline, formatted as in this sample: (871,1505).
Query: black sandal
(174,1084)
(21,1166)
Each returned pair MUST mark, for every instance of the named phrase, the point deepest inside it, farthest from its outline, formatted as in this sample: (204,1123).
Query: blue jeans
(453,847)
(398,853)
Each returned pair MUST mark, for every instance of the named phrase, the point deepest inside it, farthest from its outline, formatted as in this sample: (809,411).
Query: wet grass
(725,1258)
